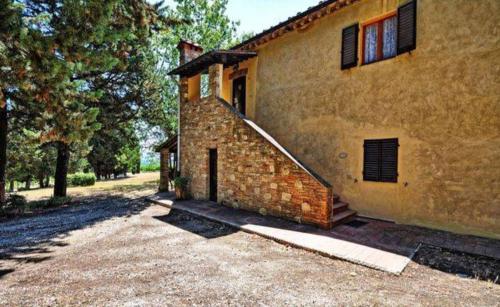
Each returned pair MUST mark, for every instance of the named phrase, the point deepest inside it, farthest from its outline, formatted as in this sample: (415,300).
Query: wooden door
(213,174)
(240,94)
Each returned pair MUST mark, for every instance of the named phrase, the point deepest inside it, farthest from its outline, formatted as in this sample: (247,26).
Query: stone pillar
(189,88)
(187,52)
(164,169)
(215,74)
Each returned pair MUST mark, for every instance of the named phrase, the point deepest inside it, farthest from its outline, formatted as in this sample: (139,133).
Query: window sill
(377,61)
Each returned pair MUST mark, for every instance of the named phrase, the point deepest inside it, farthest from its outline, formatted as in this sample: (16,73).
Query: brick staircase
(341,212)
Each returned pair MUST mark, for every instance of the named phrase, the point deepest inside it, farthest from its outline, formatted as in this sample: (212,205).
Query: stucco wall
(227,89)
(253,174)
(442,101)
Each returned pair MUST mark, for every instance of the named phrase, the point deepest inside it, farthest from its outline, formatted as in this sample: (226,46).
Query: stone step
(336,199)
(339,207)
(342,217)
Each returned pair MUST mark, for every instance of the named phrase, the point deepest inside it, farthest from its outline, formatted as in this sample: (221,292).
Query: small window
(379,39)
(381,160)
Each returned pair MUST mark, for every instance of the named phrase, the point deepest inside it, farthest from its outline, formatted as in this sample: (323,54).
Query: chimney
(188,51)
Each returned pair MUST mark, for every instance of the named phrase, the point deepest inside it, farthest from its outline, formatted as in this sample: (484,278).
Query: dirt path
(116,250)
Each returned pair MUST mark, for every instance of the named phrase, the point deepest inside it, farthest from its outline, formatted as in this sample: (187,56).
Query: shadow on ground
(31,239)
(463,255)
(465,265)
(196,225)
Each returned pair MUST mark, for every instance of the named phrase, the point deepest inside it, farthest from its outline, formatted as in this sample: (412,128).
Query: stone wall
(254,172)
(164,175)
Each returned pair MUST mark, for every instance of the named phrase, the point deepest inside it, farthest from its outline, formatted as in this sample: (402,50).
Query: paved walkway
(376,244)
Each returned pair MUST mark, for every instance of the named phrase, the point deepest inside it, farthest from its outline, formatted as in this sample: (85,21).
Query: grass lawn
(143,181)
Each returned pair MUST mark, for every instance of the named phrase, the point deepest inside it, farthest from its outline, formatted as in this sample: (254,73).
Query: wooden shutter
(371,165)
(407,27)
(349,47)
(381,160)
(389,160)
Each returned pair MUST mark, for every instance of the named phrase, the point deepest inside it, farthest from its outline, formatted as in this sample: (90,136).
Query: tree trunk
(138,169)
(47,181)
(3,147)
(41,177)
(27,184)
(61,177)
(11,186)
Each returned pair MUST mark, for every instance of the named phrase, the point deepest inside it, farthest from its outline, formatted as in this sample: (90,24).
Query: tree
(75,42)
(207,24)
(12,70)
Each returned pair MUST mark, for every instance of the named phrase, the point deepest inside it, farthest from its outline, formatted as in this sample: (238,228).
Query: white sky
(258,15)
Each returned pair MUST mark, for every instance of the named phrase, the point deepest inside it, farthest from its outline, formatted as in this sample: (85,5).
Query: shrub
(15,204)
(59,201)
(150,167)
(49,203)
(181,182)
(81,179)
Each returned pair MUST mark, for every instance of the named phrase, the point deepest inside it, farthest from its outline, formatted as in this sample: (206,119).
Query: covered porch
(168,163)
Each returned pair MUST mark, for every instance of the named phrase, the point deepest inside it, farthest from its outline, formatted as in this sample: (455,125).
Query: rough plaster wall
(442,101)
(252,173)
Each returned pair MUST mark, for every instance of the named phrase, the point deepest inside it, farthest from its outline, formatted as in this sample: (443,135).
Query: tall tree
(12,69)
(74,43)
(207,24)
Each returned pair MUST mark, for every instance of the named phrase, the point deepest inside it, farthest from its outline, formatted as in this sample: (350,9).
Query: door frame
(244,83)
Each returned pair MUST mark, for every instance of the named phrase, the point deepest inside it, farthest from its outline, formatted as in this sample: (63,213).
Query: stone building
(390,106)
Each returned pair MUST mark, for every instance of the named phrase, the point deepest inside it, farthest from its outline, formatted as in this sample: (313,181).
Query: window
(379,39)
(383,38)
(381,160)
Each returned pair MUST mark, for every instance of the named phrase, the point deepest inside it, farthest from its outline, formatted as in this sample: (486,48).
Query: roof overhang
(168,144)
(299,21)
(201,63)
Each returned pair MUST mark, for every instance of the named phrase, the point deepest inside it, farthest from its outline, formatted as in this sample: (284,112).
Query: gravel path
(121,251)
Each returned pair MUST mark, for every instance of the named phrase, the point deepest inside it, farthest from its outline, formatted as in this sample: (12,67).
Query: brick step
(342,217)
(339,207)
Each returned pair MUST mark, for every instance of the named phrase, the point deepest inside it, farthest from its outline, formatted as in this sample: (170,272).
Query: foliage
(81,179)
(75,49)
(181,182)
(209,26)
(16,204)
(52,202)
(115,150)
(150,167)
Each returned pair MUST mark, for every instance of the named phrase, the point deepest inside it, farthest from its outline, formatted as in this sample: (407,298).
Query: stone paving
(377,244)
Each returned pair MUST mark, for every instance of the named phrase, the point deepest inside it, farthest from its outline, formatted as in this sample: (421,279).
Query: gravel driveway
(118,250)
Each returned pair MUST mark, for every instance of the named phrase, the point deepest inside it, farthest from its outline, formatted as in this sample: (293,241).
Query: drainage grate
(356,224)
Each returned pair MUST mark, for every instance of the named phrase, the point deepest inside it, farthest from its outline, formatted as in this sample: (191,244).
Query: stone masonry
(254,172)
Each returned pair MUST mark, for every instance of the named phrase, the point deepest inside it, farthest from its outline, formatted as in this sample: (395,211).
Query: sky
(258,15)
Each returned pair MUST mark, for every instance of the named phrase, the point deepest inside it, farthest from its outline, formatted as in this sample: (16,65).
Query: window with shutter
(349,47)
(407,27)
(381,160)
(379,39)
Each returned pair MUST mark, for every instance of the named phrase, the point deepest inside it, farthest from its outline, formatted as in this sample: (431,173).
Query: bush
(181,182)
(59,201)
(150,167)
(81,179)
(49,203)
(15,204)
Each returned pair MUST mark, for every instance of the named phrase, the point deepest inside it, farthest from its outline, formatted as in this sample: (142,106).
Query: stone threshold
(289,233)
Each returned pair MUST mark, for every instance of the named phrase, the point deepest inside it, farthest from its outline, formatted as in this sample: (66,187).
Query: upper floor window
(379,39)
(384,38)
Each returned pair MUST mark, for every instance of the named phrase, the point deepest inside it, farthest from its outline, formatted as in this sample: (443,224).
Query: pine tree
(74,43)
